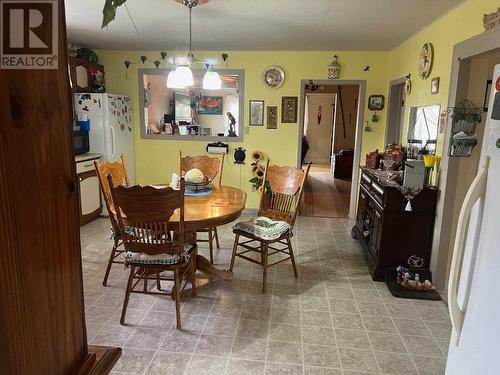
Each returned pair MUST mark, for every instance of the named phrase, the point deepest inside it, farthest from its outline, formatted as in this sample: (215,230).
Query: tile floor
(331,320)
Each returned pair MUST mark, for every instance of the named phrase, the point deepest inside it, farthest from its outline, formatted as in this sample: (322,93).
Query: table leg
(203,264)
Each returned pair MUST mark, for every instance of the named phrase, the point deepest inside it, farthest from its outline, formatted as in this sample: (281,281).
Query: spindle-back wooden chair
(279,201)
(143,216)
(118,171)
(210,167)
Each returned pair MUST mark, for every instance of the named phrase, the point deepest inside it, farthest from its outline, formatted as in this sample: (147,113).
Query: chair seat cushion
(159,259)
(264,228)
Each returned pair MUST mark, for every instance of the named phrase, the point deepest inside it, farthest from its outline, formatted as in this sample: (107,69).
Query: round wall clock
(274,77)
(426,60)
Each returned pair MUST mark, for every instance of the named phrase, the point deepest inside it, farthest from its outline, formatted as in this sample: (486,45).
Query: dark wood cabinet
(389,234)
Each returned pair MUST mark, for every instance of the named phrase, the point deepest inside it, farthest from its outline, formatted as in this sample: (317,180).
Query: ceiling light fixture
(182,75)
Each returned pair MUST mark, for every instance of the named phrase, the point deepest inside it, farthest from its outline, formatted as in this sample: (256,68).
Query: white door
(119,126)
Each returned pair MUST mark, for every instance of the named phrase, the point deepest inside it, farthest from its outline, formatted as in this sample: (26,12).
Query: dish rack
(465,118)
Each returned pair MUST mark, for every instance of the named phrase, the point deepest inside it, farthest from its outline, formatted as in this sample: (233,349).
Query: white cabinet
(88,188)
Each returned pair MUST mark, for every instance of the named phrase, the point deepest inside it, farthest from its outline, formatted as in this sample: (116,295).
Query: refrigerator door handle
(112,142)
(476,190)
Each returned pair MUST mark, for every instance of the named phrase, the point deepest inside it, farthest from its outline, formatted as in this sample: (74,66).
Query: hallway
(325,196)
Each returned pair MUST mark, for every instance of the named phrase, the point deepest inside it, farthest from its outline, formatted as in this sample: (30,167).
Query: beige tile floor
(333,319)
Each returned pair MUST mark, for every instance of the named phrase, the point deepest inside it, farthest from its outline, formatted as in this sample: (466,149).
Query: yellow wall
(463,22)
(157,159)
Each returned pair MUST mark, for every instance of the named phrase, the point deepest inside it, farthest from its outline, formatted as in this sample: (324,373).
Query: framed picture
(289,106)
(487,94)
(435,85)
(256,110)
(272,117)
(376,102)
(210,105)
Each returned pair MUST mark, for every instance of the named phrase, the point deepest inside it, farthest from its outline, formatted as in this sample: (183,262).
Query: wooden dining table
(201,212)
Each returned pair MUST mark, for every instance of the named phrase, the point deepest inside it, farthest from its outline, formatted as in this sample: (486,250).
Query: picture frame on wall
(487,94)
(435,85)
(376,102)
(256,112)
(289,106)
(211,105)
(272,117)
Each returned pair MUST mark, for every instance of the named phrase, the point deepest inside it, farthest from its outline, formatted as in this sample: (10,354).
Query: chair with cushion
(145,227)
(118,173)
(271,231)
(211,167)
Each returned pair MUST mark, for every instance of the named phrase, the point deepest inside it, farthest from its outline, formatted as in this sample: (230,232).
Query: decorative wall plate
(408,86)
(274,77)
(426,60)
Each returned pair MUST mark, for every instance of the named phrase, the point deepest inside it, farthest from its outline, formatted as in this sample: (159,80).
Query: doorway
(329,127)
(395,111)
(473,63)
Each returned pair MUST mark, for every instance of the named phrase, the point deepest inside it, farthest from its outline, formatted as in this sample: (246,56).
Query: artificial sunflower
(258,171)
(257,155)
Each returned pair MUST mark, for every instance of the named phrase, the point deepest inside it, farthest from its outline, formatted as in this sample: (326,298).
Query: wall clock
(274,77)
(426,60)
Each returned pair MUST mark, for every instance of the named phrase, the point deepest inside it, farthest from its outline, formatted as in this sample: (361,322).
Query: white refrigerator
(474,290)
(111,133)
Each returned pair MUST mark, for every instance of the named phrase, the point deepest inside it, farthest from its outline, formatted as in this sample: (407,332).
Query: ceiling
(302,25)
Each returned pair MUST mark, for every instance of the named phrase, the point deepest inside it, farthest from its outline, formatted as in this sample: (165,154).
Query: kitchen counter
(87,156)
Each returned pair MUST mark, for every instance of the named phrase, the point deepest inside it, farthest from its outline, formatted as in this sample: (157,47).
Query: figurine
(232,121)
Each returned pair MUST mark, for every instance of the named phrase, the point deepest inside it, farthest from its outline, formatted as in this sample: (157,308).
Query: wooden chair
(210,167)
(118,173)
(280,203)
(145,227)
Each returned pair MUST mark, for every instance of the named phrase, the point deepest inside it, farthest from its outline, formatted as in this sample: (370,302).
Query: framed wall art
(376,102)
(435,85)
(256,112)
(210,105)
(272,117)
(289,106)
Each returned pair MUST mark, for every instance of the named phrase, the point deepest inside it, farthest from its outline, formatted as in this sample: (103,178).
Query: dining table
(222,206)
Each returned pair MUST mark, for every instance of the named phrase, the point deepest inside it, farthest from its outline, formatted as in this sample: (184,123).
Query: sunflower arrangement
(258,170)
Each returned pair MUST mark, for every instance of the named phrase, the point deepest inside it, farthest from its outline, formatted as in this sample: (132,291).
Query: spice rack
(465,118)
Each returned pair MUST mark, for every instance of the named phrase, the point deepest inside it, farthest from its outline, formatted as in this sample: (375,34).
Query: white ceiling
(254,24)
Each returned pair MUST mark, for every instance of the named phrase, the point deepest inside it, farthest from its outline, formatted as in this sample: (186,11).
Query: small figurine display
(409,280)
(232,123)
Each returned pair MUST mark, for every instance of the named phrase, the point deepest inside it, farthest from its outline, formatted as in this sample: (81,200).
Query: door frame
(359,130)
(395,82)
(441,251)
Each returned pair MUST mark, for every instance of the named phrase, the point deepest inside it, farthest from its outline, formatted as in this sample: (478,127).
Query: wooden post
(42,322)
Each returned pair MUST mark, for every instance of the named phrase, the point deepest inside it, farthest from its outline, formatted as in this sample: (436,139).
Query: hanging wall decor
(408,84)
(320,109)
(334,69)
(492,20)
(435,85)
(256,112)
(425,60)
(376,102)
(274,77)
(289,106)
(272,117)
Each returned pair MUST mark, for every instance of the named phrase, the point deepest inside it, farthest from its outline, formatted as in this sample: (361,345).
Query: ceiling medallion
(274,77)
